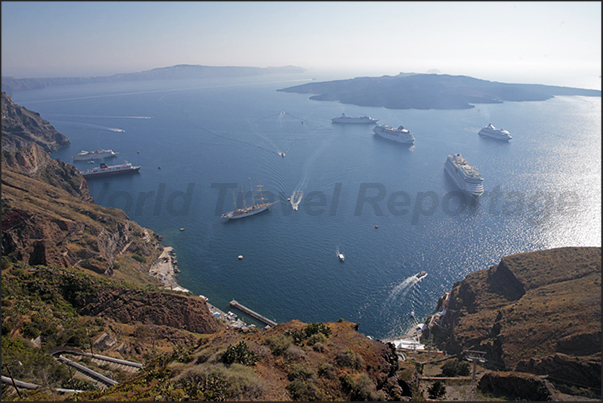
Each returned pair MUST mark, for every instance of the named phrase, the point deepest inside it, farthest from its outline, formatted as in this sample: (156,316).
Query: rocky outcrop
(21,127)
(158,308)
(35,162)
(49,218)
(537,312)
(516,386)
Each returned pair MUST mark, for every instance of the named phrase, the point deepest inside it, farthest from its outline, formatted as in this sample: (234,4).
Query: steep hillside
(21,127)
(537,312)
(49,218)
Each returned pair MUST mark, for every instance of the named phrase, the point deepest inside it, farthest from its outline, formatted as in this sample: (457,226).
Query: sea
(205,145)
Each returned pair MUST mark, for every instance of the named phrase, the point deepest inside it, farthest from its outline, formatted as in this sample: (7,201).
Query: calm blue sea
(211,136)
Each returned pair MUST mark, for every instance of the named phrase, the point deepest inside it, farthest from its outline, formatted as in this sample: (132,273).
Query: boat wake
(296,198)
(402,289)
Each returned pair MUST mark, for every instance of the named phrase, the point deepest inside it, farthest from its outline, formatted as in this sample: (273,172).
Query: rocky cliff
(21,127)
(49,218)
(537,312)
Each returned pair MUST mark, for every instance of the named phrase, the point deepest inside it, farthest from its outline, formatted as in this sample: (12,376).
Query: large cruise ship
(92,155)
(105,170)
(400,135)
(465,176)
(493,132)
(350,119)
(247,211)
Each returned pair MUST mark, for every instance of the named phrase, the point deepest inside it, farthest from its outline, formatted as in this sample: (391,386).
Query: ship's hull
(404,137)
(234,215)
(100,173)
(472,187)
(354,120)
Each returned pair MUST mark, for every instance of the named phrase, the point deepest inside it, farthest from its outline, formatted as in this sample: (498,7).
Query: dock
(253,314)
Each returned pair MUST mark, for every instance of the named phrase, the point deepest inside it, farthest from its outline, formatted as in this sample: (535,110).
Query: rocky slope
(537,312)
(21,127)
(49,218)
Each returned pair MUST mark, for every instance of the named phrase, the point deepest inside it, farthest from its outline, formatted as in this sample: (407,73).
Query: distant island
(180,71)
(429,91)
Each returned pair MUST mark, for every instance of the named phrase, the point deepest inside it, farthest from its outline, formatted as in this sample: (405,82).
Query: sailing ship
(247,211)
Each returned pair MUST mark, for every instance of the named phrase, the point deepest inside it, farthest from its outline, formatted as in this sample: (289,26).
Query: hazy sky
(534,41)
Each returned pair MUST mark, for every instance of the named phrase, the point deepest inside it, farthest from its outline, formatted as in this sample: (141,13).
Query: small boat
(421,275)
(412,314)
(282,154)
(341,257)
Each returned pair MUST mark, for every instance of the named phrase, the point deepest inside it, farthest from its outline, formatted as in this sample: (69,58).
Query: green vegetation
(437,390)
(455,368)
(239,354)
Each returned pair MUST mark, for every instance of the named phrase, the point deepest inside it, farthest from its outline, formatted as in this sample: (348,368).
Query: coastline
(165,270)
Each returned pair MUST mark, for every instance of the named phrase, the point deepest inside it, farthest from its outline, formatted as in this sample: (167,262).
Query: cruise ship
(105,170)
(350,119)
(493,132)
(247,211)
(92,155)
(465,176)
(400,135)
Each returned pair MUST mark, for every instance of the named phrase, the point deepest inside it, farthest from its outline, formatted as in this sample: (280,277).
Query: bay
(198,140)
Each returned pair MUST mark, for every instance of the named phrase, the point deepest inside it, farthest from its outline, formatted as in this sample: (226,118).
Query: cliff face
(49,218)
(536,312)
(21,127)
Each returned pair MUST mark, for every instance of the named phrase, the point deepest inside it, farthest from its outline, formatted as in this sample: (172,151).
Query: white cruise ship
(92,155)
(493,132)
(465,176)
(350,119)
(400,135)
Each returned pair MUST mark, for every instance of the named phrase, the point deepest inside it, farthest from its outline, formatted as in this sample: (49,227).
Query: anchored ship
(350,119)
(104,170)
(247,211)
(400,135)
(465,176)
(493,132)
(92,155)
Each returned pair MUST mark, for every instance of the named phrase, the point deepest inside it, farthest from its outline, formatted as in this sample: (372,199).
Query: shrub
(316,328)
(436,390)
(294,353)
(239,353)
(303,391)
(278,343)
(350,359)
(300,372)
(217,382)
(455,368)
(364,389)
(316,338)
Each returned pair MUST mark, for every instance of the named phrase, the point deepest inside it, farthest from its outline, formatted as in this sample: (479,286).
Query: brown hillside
(21,127)
(49,218)
(537,312)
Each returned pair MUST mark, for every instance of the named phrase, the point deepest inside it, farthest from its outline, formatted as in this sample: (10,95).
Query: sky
(554,43)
